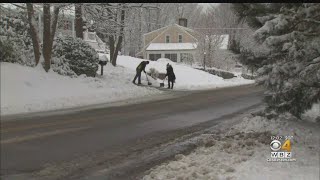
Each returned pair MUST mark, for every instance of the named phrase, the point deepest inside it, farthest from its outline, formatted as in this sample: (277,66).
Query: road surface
(75,145)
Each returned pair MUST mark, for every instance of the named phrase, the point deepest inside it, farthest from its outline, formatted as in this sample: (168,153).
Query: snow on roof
(171,46)
(185,28)
(163,28)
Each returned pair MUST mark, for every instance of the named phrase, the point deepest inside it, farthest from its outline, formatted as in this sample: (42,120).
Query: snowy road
(103,140)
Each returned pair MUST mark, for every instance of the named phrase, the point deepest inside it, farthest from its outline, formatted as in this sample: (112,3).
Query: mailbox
(103,63)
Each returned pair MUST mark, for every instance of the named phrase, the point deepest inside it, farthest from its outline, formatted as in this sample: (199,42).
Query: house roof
(171,46)
(189,31)
(185,28)
(163,30)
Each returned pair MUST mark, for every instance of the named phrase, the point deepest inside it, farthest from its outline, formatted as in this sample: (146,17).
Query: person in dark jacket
(171,76)
(141,67)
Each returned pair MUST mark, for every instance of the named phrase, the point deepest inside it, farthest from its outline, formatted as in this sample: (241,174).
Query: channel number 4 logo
(285,148)
(275,145)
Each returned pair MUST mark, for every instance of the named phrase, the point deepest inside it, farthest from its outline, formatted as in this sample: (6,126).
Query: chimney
(183,22)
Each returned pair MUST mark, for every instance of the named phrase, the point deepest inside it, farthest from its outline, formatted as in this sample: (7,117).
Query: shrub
(220,73)
(15,41)
(73,56)
(247,76)
(7,53)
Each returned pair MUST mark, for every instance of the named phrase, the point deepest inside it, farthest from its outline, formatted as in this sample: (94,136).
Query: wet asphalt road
(73,145)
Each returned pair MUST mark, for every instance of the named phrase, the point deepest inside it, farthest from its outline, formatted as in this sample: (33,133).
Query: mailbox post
(102,63)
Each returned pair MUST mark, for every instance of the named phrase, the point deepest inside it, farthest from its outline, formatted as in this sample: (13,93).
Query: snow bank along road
(79,144)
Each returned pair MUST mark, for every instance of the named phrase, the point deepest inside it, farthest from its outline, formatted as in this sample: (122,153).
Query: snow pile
(26,89)
(313,114)
(242,153)
(186,76)
(165,61)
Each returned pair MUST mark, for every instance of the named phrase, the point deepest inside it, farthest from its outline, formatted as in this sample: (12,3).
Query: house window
(167,39)
(180,38)
(154,57)
(172,57)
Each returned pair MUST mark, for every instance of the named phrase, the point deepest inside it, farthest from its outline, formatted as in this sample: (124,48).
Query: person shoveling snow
(141,67)
(171,76)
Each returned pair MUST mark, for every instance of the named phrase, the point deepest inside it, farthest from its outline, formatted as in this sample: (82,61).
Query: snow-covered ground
(26,89)
(186,76)
(242,153)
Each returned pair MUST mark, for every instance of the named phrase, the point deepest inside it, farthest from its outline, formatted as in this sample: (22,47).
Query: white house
(175,42)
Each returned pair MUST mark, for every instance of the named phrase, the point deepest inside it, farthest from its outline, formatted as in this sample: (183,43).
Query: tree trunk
(149,21)
(209,52)
(111,47)
(54,23)
(49,30)
(158,18)
(46,36)
(78,21)
(119,41)
(33,32)
(204,62)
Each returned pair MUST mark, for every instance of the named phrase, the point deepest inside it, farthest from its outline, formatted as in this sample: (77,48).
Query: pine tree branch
(311,21)
(314,61)
(313,85)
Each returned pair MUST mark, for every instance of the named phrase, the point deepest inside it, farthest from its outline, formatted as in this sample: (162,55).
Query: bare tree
(78,20)
(225,18)
(209,40)
(115,41)
(49,29)
(33,32)
(110,19)
(139,21)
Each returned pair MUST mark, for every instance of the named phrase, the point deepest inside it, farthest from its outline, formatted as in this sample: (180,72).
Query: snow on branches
(290,70)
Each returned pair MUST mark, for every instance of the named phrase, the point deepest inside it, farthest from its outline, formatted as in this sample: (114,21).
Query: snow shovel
(149,83)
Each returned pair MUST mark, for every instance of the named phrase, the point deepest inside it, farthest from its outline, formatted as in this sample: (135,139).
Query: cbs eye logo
(275,145)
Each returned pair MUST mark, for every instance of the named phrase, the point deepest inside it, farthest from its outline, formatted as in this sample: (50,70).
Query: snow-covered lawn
(242,153)
(186,76)
(26,89)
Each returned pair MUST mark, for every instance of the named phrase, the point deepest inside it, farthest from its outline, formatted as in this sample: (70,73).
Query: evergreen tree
(289,67)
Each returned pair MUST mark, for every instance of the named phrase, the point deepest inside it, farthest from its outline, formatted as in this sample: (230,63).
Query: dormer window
(167,39)
(180,38)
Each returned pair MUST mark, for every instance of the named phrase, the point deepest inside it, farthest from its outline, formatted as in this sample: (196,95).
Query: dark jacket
(141,67)
(170,73)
